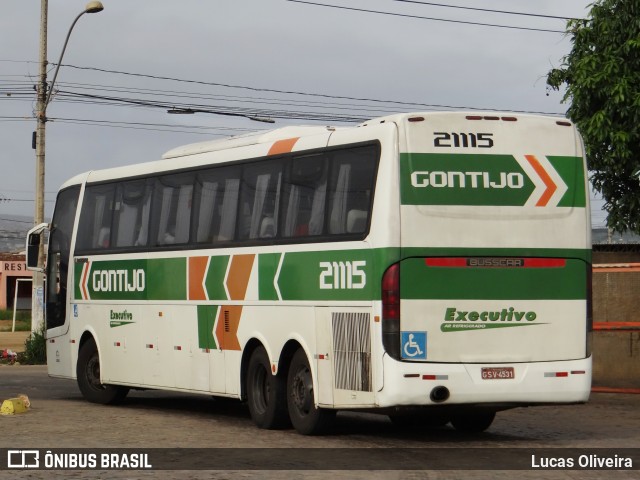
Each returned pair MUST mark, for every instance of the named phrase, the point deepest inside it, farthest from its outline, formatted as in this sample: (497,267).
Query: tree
(602,79)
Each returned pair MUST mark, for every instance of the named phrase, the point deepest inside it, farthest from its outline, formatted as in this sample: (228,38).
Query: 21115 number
(343,275)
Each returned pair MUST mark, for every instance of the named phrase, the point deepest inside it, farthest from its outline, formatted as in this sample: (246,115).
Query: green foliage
(23,320)
(36,348)
(602,79)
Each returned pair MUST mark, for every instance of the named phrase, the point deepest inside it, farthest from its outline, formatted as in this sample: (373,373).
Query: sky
(296,62)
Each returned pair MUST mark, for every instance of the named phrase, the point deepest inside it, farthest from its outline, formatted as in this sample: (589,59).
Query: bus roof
(253,138)
(262,137)
(399,118)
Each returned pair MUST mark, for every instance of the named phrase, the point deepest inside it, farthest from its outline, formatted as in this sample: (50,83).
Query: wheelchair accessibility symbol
(414,345)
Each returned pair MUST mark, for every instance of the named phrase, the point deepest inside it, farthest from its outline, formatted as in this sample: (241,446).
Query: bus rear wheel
(473,421)
(88,375)
(306,418)
(266,393)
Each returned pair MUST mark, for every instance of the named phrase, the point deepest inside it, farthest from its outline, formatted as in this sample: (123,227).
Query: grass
(36,349)
(23,320)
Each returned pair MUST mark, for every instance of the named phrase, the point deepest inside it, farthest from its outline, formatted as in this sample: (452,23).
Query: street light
(191,111)
(44,97)
(92,7)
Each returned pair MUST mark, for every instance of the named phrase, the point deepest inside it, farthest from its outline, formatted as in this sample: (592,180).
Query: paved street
(60,418)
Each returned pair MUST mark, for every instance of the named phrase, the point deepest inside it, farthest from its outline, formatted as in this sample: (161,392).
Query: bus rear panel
(490,302)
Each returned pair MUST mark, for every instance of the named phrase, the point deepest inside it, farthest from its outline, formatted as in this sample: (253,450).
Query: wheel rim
(302,390)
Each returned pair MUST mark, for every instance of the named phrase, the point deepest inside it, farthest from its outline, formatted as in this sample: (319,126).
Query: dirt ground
(11,340)
(177,422)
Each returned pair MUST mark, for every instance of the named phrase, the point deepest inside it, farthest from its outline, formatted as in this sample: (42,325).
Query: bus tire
(266,393)
(306,418)
(88,376)
(473,421)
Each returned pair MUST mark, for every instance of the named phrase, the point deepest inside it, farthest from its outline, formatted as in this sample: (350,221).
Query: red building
(13,268)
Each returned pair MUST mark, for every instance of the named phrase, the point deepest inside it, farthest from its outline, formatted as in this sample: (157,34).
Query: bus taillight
(391,311)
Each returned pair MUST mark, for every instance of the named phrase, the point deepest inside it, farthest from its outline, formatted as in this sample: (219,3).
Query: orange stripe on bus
(197,270)
(227,327)
(238,277)
(283,146)
(542,173)
(85,273)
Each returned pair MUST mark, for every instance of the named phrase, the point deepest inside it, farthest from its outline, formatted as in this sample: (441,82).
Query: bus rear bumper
(416,384)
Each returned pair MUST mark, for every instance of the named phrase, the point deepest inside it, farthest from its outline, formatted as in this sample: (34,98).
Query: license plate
(498,373)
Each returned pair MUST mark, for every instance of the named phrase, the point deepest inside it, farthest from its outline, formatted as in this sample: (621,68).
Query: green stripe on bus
(463,179)
(206,320)
(137,279)
(214,281)
(571,170)
(77,275)
(340,275)
(483,180)
(267,269)
(167,279)
(419,281)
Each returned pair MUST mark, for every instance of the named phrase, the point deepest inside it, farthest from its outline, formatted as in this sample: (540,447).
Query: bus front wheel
(88,374)
(265,393)
(306,418)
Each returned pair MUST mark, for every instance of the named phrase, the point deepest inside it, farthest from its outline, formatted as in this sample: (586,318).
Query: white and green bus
(434,267)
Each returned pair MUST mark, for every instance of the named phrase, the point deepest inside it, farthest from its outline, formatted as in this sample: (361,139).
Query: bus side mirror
(34,237)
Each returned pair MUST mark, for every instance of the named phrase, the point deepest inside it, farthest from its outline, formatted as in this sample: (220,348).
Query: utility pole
(37,299)
(44,97)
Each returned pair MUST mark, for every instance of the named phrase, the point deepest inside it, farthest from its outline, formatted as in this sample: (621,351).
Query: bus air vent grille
(352,351)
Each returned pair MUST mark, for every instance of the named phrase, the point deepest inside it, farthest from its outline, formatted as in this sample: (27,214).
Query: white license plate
(498,373)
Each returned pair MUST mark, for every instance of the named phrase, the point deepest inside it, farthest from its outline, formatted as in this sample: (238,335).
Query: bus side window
(356,221)
(59,256)
(305,196)
(229,210)
(216,204)
(133,207)
(351,190)
(207,205)
(94,230)
(339,198)
(173,200)
(260,196)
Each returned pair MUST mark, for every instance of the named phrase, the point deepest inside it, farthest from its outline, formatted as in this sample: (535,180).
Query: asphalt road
(60,418)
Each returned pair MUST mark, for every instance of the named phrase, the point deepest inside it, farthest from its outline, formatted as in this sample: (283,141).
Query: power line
(221,110)
(221,97)
(505,12)
(317,95)
(375,101)
(260,106)
(160,127)
(243,87)
(340,7)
